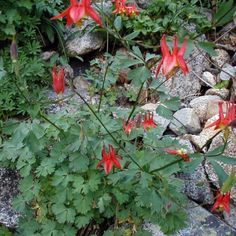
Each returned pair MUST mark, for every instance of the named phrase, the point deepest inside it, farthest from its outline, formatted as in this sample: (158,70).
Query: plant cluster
(64,190)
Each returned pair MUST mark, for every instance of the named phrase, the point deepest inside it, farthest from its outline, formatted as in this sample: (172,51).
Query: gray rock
(185,117)
(229,151)
(47,55)
(196,186)
(69,73)
(221,58)
(209,79)
(8,189)
(223,93)
(81,43)
(201,106)
(231,217)
(234,59)
(206,134)
(227,72)
(200,223)
(187,87)
(143,3)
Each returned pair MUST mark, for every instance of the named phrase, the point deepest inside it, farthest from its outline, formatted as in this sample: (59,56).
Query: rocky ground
(199,96)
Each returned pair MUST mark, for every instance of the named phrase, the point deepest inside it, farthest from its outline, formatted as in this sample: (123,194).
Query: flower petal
(182,64)
(158,68)
(108,166)
(175,45)
(61,15)
(94,15)
(164,47)
(183,48)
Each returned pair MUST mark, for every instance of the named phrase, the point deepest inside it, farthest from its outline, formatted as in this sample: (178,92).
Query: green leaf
(224,13)
(219,172)
(196,160)
(63,214)
(29,188)
(104,202)
(83,204)
(78,182)
(82,221)
(120,196)
(139,75)
(125,63)
(131,36)
(224,159)
(222,84)
(208,47)
(19,203)
(172,104)
(216,151)
(33,142)
(48,227)
(46,167)
(78,162)
(62,177)
(137,53)
(165,112)
(118,23)
(34,110)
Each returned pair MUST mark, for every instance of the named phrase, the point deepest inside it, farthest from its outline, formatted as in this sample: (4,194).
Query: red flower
(58,80)
(127,127)
(148,121)
(181,152)
(109,159)
(131,10)
(222,202)
(76,11)
(171,61)
(224,120)
(121,8)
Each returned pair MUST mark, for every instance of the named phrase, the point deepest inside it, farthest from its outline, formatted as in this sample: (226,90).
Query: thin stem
(53,124)
(40,113)
(103,84)
(109,133)
(135,104)
(159,85)
(209,140)
(165,166)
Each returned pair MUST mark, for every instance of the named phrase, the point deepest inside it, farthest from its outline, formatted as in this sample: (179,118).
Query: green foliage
(165,16)
(18,80)
(60,184)
(16,16)
(61,190)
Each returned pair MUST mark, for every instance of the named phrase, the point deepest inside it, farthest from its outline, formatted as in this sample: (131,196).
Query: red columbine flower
(222,202)
(127,127)
(131,10)
(109,159)
(76,11)
(224,120)
(181,152)
(58,80)
(171,61)
(148,121)
(121,8)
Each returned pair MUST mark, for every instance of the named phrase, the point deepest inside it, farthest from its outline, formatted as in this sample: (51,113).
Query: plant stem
(29,102)
(165,166)
(135,104)
(110,134)
(103,84)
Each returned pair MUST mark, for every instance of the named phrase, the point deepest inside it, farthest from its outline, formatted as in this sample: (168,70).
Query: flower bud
(13,50)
